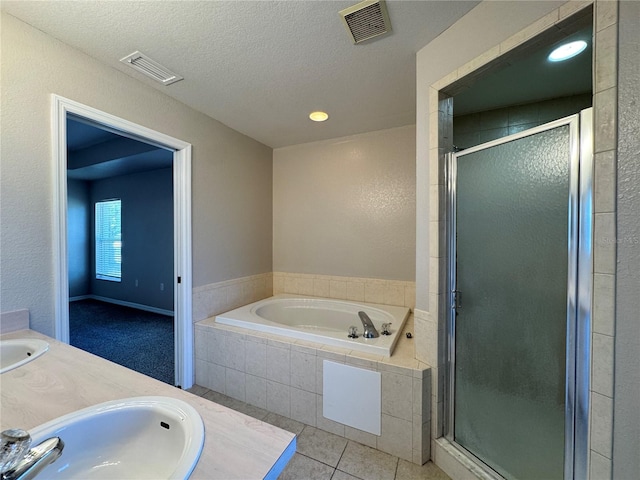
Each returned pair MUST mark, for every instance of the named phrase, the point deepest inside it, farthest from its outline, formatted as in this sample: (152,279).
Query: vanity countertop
(66,379)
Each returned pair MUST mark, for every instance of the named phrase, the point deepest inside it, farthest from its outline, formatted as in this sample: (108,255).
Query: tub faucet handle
(353,331)
(386,329)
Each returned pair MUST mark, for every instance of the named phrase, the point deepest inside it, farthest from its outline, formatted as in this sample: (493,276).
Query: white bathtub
(320,320)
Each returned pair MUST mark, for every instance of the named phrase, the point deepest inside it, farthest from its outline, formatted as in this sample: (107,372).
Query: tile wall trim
(605,105)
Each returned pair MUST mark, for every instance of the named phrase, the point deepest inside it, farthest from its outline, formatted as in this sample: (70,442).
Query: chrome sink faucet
(369,329)
(19,462)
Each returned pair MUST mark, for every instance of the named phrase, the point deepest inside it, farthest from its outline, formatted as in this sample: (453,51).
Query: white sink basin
(133,438)
(17,352)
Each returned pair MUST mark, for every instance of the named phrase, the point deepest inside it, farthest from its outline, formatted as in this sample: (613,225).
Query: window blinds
(108,240)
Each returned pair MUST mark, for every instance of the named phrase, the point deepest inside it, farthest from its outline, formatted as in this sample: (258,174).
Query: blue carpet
(139,340)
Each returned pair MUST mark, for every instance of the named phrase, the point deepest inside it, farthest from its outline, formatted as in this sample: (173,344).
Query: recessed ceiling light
(568,50)
(318,116)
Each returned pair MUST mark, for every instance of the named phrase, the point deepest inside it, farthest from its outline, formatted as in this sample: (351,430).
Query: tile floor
(324,456)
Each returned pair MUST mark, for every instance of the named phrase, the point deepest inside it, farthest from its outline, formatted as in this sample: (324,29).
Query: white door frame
(182,225)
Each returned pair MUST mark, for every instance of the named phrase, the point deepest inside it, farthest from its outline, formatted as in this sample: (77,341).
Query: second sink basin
(17,352)
(133,438)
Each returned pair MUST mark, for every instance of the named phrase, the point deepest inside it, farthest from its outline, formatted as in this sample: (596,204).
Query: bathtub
(320,320)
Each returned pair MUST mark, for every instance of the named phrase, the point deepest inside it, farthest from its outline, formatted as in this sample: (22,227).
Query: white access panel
(351,396)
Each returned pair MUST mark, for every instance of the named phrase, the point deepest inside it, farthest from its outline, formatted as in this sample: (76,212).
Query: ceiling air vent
(151,69)
(366,20)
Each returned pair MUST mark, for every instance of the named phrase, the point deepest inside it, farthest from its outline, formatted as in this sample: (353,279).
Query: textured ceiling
(260,67)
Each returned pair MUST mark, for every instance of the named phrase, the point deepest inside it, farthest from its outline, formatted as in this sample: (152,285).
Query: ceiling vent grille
(151,68)
(366,20)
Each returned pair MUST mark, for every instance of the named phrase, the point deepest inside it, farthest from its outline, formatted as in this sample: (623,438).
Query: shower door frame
(579,291)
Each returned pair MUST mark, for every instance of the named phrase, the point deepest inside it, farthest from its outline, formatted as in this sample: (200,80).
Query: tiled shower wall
(476,128)
(430,325)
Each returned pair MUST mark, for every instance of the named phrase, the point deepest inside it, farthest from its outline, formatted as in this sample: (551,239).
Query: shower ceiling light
(568,50)
(318,116)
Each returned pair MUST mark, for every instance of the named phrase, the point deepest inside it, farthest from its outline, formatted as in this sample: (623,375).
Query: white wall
(231,173)
(346,206)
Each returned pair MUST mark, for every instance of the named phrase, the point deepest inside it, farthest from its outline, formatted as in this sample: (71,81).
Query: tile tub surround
(356,289)
(290,315)
(285,377)
(215,298)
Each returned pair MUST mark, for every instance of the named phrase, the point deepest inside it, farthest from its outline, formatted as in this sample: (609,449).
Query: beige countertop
(66,379)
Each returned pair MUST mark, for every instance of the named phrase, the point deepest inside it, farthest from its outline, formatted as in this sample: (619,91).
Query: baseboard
(80,297)
(139,306)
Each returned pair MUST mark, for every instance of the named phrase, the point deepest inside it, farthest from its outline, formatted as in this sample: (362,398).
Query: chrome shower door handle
(456,297)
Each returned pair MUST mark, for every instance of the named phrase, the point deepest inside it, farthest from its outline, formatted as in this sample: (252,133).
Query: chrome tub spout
(369,329)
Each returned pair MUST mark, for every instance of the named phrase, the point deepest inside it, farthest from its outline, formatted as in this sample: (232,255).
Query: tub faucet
(19,464)
(369,330)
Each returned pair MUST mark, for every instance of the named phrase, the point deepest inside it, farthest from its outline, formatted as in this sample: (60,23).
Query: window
(108,240)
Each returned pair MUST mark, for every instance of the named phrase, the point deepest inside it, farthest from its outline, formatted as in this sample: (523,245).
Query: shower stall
(519,283)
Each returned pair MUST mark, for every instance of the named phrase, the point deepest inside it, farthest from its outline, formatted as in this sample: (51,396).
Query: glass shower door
(513,204)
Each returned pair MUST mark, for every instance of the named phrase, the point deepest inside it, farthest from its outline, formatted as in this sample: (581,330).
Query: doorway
(120,238)
(519,268)
(181,169)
